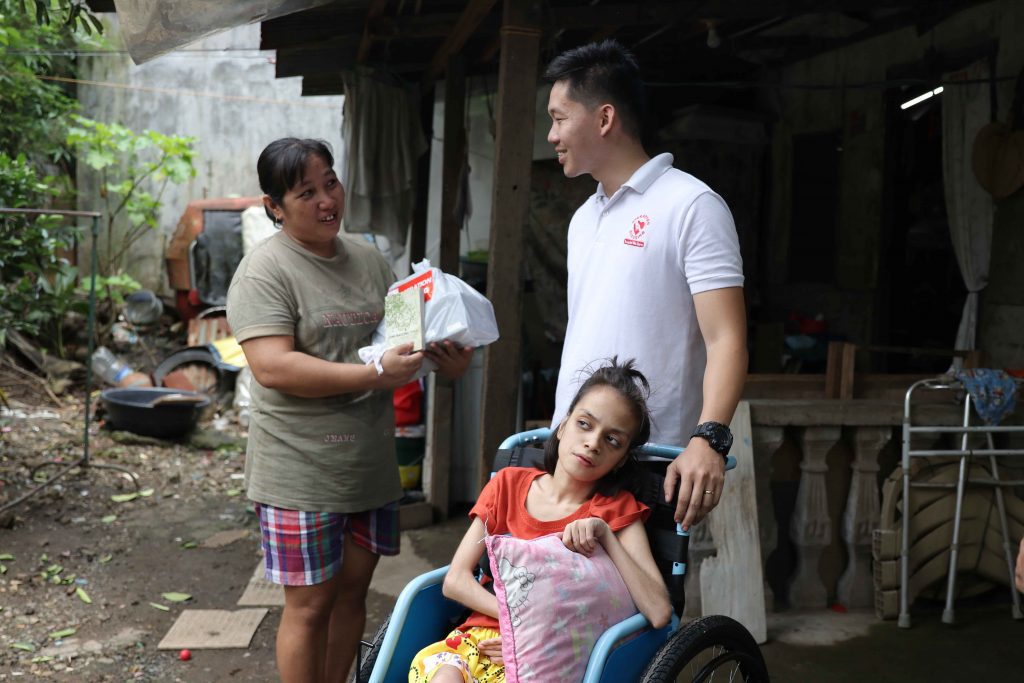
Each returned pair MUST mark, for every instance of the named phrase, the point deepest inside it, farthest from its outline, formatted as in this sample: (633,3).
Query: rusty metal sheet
(152,28)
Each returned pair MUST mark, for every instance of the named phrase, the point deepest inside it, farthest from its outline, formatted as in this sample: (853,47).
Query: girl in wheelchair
(582,494)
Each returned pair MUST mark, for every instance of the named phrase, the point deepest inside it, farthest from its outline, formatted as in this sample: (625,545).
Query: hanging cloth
(383,140)
(965,109)
(993,392)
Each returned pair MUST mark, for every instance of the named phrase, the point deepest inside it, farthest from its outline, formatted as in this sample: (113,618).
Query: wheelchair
(699,651)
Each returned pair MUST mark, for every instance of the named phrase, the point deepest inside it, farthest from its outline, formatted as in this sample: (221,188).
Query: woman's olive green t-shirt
(333,454)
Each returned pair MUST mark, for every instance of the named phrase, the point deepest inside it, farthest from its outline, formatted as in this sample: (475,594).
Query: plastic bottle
(109,367)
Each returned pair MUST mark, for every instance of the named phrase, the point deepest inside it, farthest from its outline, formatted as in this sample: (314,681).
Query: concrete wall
(859,114)
(244,108)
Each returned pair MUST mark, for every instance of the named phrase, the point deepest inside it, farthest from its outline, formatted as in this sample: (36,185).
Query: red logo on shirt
(635,235)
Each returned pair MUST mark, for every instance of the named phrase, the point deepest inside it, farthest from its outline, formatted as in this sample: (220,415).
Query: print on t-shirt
(635,235)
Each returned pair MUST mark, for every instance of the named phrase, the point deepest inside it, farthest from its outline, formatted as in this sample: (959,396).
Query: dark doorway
(815,203)
(923,293)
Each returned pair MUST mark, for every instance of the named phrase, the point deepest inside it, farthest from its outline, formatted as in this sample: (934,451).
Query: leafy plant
(129,164)
(36,49)
(38,279)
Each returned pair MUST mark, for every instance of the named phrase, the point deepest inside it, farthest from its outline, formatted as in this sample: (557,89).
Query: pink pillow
(553,605)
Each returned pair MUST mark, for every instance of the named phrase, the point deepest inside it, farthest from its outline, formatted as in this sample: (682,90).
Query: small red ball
(185,655)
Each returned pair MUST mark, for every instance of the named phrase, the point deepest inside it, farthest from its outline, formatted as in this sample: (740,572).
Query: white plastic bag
(452,310)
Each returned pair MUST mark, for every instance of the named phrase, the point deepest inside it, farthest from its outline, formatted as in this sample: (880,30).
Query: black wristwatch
(716,434)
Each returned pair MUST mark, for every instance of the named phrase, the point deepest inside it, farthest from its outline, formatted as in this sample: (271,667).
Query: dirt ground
(122,555)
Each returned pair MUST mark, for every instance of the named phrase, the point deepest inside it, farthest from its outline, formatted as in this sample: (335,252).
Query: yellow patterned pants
(459,650)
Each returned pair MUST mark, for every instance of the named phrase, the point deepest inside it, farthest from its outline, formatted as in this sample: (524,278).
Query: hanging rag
(993,392)
(383,140)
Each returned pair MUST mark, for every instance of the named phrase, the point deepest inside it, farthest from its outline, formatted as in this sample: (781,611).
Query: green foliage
(39,283)
(133,172)
(74,14)
(35,47)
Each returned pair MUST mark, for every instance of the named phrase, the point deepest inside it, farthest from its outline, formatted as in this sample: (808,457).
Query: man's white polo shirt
(635,261)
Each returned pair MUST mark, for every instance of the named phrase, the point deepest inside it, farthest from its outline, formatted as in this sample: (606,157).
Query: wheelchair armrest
(611,638)
(400,613)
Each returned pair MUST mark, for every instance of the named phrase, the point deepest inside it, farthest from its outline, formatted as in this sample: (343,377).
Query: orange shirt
(502,508)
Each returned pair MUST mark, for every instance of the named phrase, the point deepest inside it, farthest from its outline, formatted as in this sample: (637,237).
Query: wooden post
(441,390)
(517,96)
(418,232)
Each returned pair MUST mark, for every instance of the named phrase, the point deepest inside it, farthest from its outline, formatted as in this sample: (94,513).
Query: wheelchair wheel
(710,648)
(370,653)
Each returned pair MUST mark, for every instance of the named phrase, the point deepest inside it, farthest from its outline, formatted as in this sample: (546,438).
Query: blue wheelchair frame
(620,654)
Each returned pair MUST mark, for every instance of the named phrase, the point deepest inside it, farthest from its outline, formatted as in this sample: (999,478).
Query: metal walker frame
(965,453)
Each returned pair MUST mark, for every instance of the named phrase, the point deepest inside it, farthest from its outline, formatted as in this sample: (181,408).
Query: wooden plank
(833,369)
(846,370)
(517,97)
(440,408)
(441,394)
(467,24)
(732,581)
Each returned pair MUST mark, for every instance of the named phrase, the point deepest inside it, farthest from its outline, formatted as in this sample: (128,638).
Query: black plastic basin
(153,411)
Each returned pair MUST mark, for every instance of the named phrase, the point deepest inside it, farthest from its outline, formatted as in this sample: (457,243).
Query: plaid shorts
(305,548)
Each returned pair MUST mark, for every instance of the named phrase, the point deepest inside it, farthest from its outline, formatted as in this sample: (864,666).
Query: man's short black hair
(604,72)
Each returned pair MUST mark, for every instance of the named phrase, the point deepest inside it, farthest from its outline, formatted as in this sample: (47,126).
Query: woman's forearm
(299,374)
(466,590)
(648,591)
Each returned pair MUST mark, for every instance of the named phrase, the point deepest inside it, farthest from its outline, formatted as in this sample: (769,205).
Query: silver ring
(709,493)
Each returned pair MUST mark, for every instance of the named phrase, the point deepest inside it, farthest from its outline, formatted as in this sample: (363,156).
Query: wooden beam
(510,199)
(311,26)
(375,10)
(453,160)
(467,24)
(314,59)
(656,14)
(297,30)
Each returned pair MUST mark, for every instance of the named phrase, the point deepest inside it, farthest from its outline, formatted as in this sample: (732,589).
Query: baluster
(861,517)
(766,440)
(811,529)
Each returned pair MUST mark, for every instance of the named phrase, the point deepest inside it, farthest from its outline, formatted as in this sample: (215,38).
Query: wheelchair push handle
(536,437)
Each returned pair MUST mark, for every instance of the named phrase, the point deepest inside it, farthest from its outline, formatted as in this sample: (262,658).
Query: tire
(698,651)
(370,656)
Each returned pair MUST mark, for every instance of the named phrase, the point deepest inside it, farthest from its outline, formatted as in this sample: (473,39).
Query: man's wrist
(717,435)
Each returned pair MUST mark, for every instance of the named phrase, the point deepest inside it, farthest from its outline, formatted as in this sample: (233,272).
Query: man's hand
(491,648)
(698,469)
(399,367)
(452,360)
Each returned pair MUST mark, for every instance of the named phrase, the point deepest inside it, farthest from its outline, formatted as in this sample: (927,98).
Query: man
(655,271)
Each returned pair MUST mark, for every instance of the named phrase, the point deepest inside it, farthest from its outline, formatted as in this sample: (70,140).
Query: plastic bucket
(410,452)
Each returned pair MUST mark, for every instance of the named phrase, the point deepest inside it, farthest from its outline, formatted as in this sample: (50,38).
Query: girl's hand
(399,366)
(452,360)
(491,648)
(583,535)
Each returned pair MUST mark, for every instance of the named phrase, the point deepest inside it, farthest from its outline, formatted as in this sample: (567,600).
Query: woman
(320,465)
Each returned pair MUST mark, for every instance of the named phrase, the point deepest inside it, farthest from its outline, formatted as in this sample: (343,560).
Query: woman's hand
(491,648)
(452,360)
(399,366)
(583,535)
